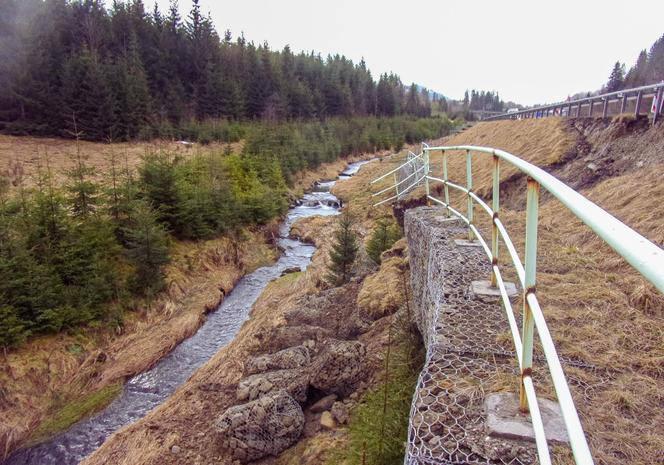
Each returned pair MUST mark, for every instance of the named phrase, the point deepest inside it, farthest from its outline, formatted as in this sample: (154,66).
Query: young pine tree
(82,190)
(12,329)
(147,247)
(344,251)
(384,236)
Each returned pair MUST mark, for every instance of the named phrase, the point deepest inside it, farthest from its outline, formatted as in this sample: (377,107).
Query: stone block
(483,291)
(467,243)
(504,420)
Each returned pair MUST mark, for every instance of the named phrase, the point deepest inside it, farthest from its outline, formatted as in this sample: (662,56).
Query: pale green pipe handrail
(644,256)
(396,169)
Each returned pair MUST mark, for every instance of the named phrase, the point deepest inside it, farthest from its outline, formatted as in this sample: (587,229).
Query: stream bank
(147,390)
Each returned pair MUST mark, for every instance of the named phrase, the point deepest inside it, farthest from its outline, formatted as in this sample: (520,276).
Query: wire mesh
(466,357)
(411,173)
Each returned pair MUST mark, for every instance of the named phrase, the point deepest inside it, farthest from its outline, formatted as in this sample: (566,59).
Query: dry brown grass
(542,142)
(21,158)
(382,293)
(598,308)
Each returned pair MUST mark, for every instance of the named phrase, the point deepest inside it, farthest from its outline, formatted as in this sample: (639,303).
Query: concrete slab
(467,243)
(504,420)
(483,291)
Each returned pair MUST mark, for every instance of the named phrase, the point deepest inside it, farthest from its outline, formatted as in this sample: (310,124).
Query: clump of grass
(67,414)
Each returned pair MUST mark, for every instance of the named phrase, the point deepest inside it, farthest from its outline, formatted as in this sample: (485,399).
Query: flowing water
(145,391)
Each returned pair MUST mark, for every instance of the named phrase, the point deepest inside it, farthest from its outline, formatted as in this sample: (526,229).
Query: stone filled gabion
(293,357)
(283,337)
(262,427)
(465,357)
(338,366)
(295,382)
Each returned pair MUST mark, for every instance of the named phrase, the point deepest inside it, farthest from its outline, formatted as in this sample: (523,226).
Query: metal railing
(576,108)
(646,257)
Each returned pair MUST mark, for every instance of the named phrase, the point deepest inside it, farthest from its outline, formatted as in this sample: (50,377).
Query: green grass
(67,414)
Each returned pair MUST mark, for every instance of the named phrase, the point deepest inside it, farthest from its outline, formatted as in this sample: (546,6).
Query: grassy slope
(22,157)
(598,308)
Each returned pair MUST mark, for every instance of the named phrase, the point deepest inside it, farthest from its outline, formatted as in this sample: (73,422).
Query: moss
(66,414)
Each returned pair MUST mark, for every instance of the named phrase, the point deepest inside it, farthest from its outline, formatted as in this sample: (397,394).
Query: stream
(147,390)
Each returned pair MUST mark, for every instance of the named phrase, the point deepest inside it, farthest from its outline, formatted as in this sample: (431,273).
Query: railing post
(469,186)
(495,206)
(396,186)
(623,105)
(638,104)
(445,186)
(425,156)
(532,212)
(590,111)
(657,104)
(606,107)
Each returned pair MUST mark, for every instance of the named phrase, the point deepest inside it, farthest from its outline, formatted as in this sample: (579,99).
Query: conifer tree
(12,329)
(617,77)
(384,236)
(147,247)
(83,192)
(344,251)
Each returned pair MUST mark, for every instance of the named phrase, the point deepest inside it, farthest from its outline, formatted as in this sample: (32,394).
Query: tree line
(482,100)
(648,69)
(84,252)
(122,72)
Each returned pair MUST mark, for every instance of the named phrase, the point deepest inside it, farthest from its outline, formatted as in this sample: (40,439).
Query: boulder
(295,382)
(291,269)
(262,427)
(339,412)
(283,337)
(338,366)
(326,421)
(293,357)
(324,404)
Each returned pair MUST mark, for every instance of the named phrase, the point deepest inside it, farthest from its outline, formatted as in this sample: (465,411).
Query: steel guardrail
(574,108)
(646,257)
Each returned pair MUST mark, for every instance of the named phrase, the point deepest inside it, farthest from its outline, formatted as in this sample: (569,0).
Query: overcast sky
(529,51)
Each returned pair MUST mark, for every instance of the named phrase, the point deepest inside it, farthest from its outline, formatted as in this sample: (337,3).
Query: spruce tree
(12,329)
(617,77)
(384,236)
(344,251)
(147,248)
(82,191)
